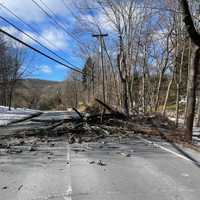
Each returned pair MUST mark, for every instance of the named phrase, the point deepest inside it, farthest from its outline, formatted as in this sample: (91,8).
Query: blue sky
(63,44)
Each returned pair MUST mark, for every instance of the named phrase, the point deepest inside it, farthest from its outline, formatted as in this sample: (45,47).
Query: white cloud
(61,67)
(11,30)
(45,69)
(27,10)
(57,39)
(105,22)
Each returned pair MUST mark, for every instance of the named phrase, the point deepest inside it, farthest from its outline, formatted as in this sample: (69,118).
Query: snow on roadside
(7,116)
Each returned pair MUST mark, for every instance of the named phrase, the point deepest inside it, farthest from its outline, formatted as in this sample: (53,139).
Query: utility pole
(100,38)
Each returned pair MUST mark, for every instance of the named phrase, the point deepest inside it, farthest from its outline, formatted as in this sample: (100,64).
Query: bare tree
(192,80)
(10,69)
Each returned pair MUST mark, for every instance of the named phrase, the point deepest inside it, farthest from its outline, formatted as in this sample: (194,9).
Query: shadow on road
(181,151)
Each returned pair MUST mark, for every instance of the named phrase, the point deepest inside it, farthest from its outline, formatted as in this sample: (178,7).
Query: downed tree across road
(87,127)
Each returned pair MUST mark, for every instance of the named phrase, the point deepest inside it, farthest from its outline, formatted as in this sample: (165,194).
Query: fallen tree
(92,127)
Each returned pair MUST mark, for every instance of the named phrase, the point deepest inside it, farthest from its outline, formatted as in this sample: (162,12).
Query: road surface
(111,169)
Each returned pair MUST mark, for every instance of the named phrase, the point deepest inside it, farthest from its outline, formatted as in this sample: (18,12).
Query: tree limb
(194,35)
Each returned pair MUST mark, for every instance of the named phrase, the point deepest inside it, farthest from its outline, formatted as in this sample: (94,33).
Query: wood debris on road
(91,127)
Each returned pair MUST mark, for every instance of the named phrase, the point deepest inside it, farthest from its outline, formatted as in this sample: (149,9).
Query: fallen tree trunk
(23,119)
(79,114)
(114,113)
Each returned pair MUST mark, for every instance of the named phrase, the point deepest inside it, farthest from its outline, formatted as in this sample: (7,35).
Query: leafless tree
(11,71)
(192,80)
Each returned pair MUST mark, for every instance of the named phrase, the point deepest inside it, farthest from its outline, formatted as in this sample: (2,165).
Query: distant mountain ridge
(38,82)
(31,92)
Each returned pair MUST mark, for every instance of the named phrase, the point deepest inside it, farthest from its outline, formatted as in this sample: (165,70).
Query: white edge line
(164,148)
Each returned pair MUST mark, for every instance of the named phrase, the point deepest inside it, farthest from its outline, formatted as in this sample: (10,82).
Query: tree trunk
(179,81)
(192,80)
(189,65)
(198,113)
(168,92)
(177,102)
(10,98)
(191,98)
(126,105)
(121,63)
(143,92)
(158,91)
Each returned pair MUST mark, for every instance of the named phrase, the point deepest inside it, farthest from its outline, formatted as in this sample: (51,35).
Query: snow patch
(7,116)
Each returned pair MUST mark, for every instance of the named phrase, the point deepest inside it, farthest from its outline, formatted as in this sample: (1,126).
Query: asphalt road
(111,169)
(63,171)
(35,122)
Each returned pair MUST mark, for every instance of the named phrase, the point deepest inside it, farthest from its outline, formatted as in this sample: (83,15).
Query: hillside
(30,92)
(37,83)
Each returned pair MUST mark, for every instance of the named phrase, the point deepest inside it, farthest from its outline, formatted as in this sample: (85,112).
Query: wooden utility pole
(100,38)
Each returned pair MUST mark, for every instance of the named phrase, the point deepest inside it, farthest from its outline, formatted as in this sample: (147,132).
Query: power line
(51,16)
(38,51)
(32,38)
(29,36)
(34,30)
(60,23)
(21,20)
